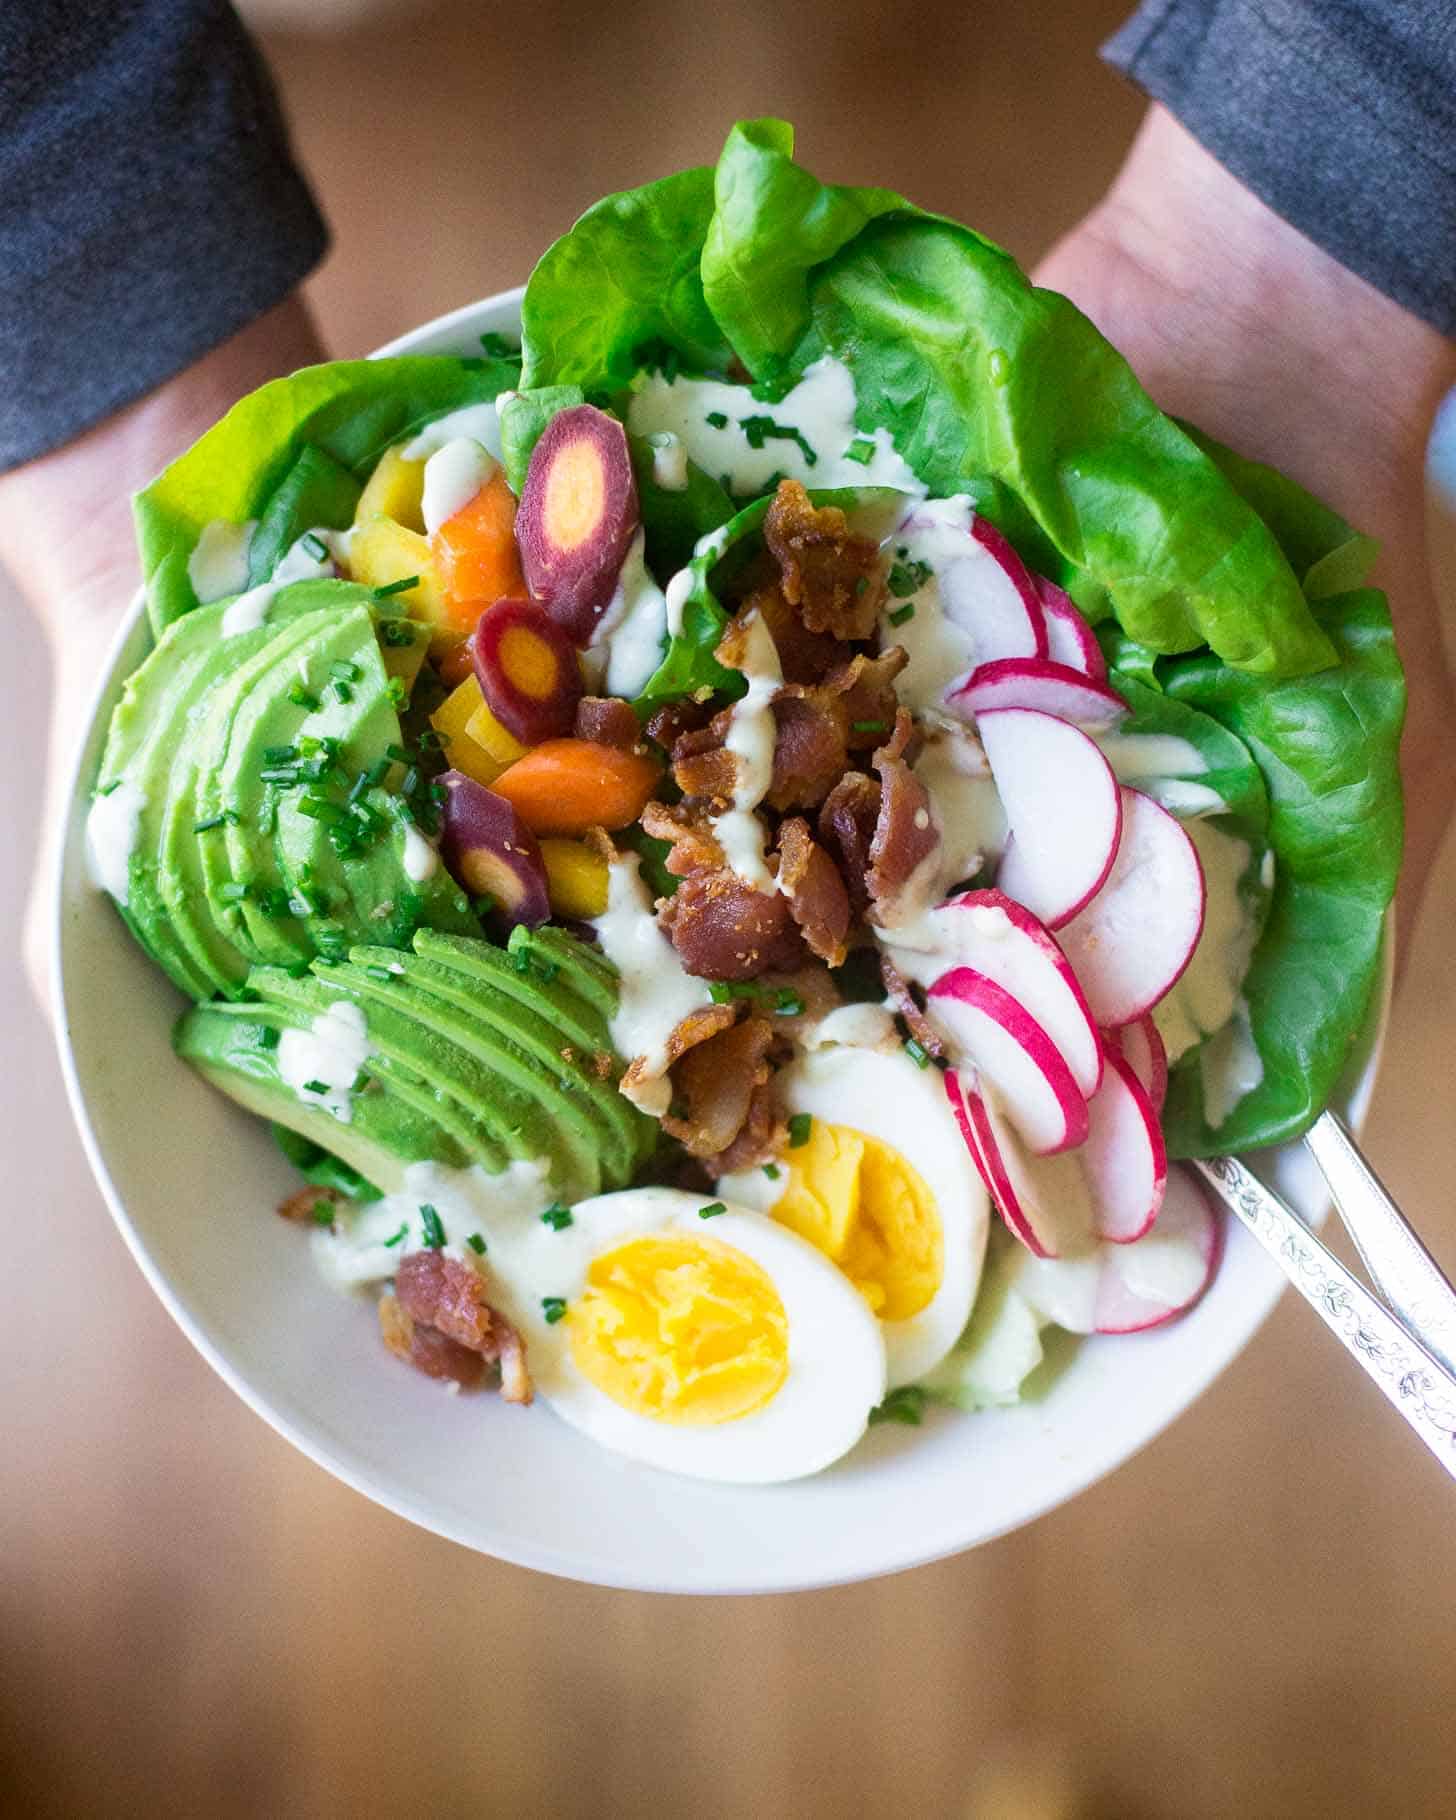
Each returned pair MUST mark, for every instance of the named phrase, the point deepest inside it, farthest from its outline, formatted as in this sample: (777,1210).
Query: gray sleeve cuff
(152,208)
(1340,114)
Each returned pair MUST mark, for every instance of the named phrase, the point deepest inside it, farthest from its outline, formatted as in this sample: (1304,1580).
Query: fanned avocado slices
(478,1055)
(271,828)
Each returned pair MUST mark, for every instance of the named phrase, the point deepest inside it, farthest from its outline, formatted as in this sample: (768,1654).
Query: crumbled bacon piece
(427,1349)
(901,995)
(725,929)
(818,900)
(608,721)
(701,768)
(847,827)
(867,688)
(669,723)
(804,656)
(688,833)
(308,1206)
(834,577)
(905,831)
(760,1138)
(810,747)
(714,1086)
(445,1294)
(697,1027)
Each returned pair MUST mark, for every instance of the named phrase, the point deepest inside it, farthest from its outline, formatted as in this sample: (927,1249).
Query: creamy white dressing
(852,1027)
(479,422)
(218,565)
(752,732)
(298,563)
(963,804)
(627,644)
(330,1052)
(1229,1065)
(1062,1290)
(820,407)
(654,993)
(421,860)
(669,461)
(1203,1000)
(111,836)
(1163,1268)
(940,652)
(1163,766)
(469,1202)
(454,474)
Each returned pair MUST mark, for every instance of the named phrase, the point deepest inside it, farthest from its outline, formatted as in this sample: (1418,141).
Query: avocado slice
(386,1133)
(563,1124)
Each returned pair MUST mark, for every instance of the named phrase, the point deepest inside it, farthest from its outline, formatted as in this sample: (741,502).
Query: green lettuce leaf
(316,490)
(623,279)
(1327,747)
(351,410)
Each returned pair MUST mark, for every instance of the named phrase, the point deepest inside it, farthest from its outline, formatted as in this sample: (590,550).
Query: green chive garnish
(557,1217)
(315,1086)
(869,726)
(800,1125)
(771,1170)
(907,578)
(901,614)
(718,419)
(787,1002)
(712,1210)
(402,586)
(234,892)
(400,1236)
(213,821)
(434,1232)
(267,1037)
(303,698)
(476,1244)
(323,1213)
(554,1308)
(917,1052)
(315,546)
(860,450)
(345,670)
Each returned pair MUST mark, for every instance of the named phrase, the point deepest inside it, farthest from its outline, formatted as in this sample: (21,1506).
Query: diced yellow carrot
(395,489)
(486,731)
(576,877)
(382,551)
(451,720)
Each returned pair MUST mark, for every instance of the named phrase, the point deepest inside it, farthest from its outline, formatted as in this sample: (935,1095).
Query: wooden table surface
(1254,1618)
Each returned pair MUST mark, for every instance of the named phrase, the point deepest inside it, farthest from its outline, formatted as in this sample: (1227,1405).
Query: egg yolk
(863,1205)
(684,1330)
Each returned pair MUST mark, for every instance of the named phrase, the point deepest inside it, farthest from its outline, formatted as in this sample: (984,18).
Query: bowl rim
(878,1560)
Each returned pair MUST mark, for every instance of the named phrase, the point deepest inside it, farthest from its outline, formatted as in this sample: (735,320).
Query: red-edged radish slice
(1131,943)
(1043,1200)
(990,595)
(1002,939)
(1062,806)
(1037,682)
(1142,1049)
(1124,1159)
(1165,1272)
(985,1026)
(1070,640)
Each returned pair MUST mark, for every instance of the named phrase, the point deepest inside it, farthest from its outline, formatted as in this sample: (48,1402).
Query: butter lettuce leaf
(350,410)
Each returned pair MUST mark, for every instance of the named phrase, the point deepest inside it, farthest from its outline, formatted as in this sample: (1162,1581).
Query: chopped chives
(213,821)
(399,1237)
(234,892)
(869,726)
(267,1036)
(759,430)
(379,973)
(901,614)
(399,755)
(787,1002)
(320,809)
(557,1217)
(361,1081)
(377,772)
(907,578)
(106,789)
(344,691)
(286,775)
(433,1231)
(315,1086)
(718,419)
(279,755)
(302,697)
(771,1170)
(554,1308)
(402,586)
(396,691)
(397,632)
(917,1052)
(712,1210)
(315,546)
(861,450)
(323,1213)
(800,1125)
(476,1244)
(345,670)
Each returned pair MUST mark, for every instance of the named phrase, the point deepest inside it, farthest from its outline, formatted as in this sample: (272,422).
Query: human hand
(66,536)
(1231,318)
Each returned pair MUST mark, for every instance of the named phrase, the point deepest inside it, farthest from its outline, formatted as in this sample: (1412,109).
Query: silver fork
(1404,1337)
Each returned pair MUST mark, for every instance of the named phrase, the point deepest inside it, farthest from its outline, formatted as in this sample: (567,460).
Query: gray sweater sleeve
(1340,114)
(150,205)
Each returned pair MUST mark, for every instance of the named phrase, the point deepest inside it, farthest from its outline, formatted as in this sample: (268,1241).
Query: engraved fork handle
(1400,1267)
(1404,1373)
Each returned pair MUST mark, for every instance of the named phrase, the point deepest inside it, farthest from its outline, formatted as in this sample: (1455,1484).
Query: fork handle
(1400,1267)
(1407,1376)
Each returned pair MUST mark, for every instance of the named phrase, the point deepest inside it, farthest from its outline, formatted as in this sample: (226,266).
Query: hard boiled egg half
(877,1178)
(693,1335)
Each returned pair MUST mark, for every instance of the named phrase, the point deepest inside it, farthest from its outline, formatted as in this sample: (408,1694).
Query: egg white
(836,1356)
(886,1096)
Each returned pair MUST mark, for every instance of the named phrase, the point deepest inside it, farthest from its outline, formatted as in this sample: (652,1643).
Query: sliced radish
(1124,1158)
(1133,940)
(1062,806)
(1043,1200)
(994,1032)
(1142,1049)
(989,594)
(1070,640)
(1166,1271)
(1037,682)
(1002,939)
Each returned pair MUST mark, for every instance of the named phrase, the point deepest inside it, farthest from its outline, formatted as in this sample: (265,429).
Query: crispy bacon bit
(902,996)
(697,1027)
(835,578)
(847,828)
(609,721)
(690,835)
(762,1136)
(724,929)
(447,1295)
(905,831)
(714,1084)
(810,747)
(669,724)
(312,1206)
(804,656)
(867,688)
(701,768)
(818,900)
(427,1349)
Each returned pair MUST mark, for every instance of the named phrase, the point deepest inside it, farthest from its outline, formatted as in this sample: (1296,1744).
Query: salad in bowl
(737,843)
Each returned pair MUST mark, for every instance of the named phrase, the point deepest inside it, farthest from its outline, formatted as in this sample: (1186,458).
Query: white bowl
(192,1182)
